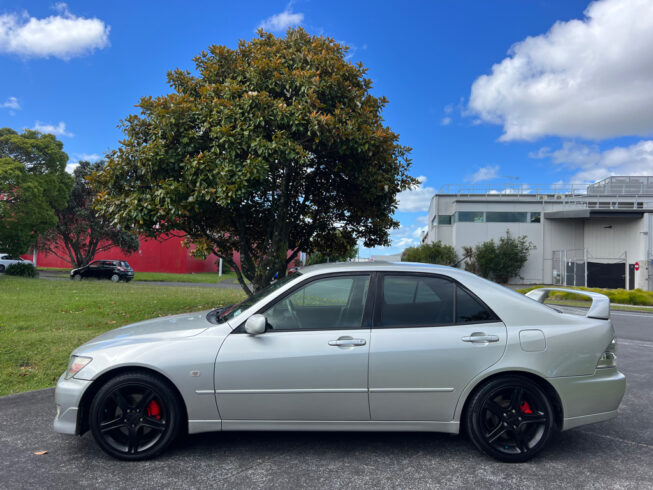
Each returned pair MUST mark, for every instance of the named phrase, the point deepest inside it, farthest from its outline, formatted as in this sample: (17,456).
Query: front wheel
(510,418)
(77,277)
(115,278)
(2,268)
(135,416)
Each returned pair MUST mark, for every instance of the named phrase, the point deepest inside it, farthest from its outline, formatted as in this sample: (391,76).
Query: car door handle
(347,342)
(481,338)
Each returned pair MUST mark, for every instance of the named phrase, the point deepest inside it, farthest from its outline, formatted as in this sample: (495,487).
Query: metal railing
(569,195)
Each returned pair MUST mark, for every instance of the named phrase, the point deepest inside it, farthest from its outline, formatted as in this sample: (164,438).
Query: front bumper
(67,397)
(590,399)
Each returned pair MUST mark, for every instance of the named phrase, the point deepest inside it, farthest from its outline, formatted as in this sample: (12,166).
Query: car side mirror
(256,324)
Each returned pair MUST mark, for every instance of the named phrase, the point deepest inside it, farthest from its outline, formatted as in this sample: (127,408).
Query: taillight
(609,358)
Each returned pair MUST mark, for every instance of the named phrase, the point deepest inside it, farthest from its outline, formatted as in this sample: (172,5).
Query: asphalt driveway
(613,454)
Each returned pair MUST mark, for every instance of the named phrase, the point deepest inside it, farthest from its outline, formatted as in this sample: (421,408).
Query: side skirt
(362,426)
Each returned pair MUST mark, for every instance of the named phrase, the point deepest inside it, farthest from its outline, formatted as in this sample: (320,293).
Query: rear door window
(422,300)
(412,301)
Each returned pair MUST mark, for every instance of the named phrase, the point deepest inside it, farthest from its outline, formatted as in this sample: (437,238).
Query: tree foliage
(80,232)
(431,253)
(321,258)
(499,261)
(33,184)
(274,146)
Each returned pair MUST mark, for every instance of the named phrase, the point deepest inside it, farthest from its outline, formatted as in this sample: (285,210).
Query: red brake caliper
(153,410)
(525,407)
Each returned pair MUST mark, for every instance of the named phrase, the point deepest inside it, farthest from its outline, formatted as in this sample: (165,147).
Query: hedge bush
(18,269)
(431,253)
(617,296)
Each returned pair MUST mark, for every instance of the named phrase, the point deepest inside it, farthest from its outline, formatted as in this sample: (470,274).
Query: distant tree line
(499,261)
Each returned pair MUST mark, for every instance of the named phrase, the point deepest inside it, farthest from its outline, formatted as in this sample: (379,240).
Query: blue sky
(488,93)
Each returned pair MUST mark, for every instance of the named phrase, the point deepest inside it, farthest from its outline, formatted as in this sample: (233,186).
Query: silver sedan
(351,347)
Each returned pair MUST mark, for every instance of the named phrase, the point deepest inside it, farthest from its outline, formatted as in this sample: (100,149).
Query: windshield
(235,310)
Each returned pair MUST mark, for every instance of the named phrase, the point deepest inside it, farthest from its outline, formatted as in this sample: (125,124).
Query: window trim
(379,302)
(366,320)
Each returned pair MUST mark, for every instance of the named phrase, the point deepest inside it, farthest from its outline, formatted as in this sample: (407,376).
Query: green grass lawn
(203,277)
(198,277)
(42,321)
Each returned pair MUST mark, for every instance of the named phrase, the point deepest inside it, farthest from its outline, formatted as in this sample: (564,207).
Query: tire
(115,278)
(135,416)
(77,277)
(2,268)
(510,419)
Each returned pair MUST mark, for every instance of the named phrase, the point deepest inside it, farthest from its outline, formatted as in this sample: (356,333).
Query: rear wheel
(510,419)
(135,416)
(115,278)
(2,268)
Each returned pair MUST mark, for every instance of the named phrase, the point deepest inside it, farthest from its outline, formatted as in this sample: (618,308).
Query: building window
(446,219)
(535,217)
(435,220)
(506,217)
(470,217)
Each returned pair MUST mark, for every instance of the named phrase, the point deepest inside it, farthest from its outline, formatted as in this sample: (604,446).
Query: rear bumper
(590,399)
(67,396)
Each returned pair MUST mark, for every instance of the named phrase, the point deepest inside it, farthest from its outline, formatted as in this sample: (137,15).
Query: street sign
(636,266)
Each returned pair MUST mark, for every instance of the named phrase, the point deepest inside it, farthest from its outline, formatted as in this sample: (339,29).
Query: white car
(6,260)
(358,347)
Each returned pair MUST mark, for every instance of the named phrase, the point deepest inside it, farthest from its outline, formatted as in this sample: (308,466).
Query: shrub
(18,269)
(499,261)
(431,253)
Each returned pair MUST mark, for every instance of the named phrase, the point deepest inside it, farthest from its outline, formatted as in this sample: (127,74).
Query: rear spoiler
(600,307)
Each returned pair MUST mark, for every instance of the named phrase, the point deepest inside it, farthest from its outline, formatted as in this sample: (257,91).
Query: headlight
(609,358)
(76,364)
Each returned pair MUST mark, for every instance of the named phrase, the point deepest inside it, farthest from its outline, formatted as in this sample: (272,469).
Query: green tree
(274,146)
(320,258)
(81,232)
(33,184)
(431,253)
(500,261)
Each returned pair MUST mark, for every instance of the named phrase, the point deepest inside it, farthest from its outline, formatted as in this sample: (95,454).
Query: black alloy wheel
(510,418)
(135,416)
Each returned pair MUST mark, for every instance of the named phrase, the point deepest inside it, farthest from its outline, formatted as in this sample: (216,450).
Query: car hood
(166,328)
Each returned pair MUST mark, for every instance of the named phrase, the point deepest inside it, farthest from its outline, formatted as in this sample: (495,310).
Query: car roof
(376,266)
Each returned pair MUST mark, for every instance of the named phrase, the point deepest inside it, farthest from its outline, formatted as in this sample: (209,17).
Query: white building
(599,235)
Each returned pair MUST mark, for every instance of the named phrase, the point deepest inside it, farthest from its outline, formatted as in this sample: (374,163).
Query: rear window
(420,300)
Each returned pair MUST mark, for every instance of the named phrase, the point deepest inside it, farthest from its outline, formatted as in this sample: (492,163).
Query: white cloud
(282,21)
(89,157)
(11,103)
(58,130)
(484,173)
(419,231)
(70,167)
(63,36)
(445,121)
(416,199)
(590,164)
(587,78)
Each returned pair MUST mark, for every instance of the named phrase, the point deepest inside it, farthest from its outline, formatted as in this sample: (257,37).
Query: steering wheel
(293,313)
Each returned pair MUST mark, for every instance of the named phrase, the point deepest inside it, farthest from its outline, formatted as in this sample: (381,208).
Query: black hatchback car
(116,270)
